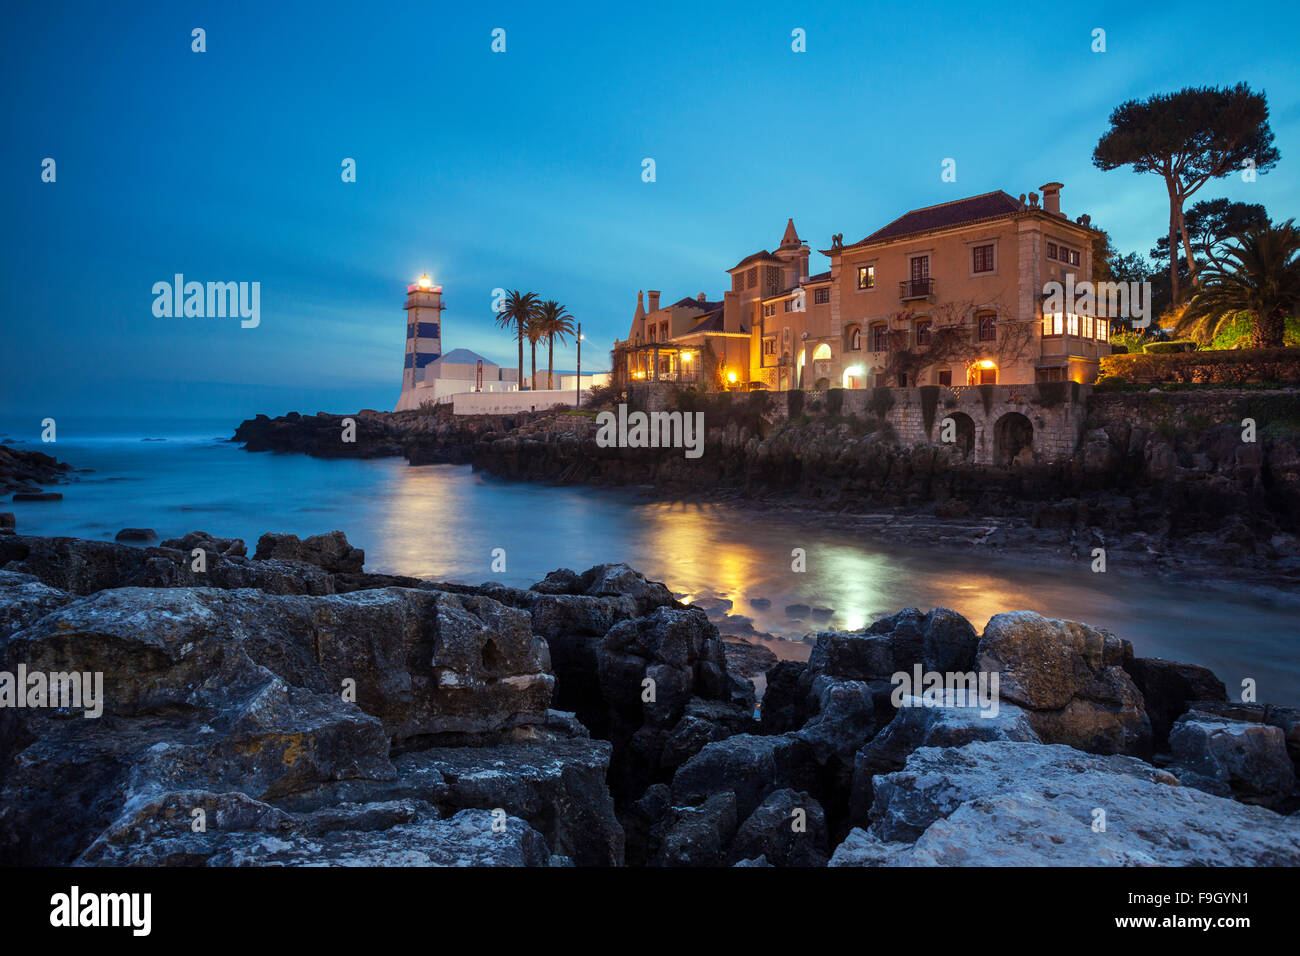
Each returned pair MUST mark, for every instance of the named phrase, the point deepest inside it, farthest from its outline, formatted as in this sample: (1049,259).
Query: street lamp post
(579,389)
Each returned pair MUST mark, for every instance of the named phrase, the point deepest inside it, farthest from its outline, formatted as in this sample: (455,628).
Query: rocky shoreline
(24,473)
(1195,504)
(291,708)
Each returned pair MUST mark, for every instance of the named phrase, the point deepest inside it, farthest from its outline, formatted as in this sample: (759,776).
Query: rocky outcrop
(1234,758)
(24,471)
(1071,679)
(329,551)
(1168,689)
(1024,804)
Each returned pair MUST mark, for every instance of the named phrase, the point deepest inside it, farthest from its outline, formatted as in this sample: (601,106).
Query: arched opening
(853,338)
(854,377)
(822,351)
(958,429)
(983,372)
(1013,440)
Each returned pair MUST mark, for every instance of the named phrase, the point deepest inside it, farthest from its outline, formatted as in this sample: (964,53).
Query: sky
(524,169)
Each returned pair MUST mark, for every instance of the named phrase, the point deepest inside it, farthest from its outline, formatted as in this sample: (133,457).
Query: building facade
(950,295)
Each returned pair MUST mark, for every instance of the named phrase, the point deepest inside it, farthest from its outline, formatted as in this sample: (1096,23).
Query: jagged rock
(467,839)
(1014,803)
(747,660)
(1287,719)
(8,522)
(845,720)
(1071,678)
(609,580)
(229,547)
(1167,688)
(1232,758)
(785,708)
(24,600)
(695,836)
(774,832)
(749,766)
(916,725)
(136,534)
(84,567)
(328,551)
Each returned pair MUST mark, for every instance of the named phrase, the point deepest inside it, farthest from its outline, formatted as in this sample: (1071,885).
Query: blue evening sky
(523,169)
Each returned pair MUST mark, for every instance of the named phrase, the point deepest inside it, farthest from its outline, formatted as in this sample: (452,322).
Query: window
(866,277)
(652,333)
(879,338)
(1052,323)
(769,310)
(789,304)
(769,345)
(855,339)
(821,296)
(945,377)
(738,282)
(1103,330)
(1051,250)
(923,332)
(1071,324)
(751,278)
(1087,326)
(771,280)
(1053,374)
(1074,257)
(988,326)
(663,331)
(983,258)
(920,267)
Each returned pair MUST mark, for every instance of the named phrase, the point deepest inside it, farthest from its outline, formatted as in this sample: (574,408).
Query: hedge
(1165,348)
(1210,367)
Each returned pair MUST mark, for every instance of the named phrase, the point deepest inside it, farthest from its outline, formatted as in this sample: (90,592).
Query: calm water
(443,521)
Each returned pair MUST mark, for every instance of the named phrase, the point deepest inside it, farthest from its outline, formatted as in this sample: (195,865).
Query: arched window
(988,326)
(922,332)
(822,352)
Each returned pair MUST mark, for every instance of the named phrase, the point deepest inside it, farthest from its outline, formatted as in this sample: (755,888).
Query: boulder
(1071,678)
(1015,803)
(23,601)
(229,547)
(787,829)
(1235,758)
(136,534)
(916,725)
(747,765)
(328,551)
(695,836)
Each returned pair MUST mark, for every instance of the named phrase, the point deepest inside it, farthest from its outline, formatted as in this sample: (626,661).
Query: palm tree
(556,324)
(516,312)
(1260,275)
(535,333)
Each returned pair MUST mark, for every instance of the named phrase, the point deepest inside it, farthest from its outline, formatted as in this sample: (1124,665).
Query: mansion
(951,294)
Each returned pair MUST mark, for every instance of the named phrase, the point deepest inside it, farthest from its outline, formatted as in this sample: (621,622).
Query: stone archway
(1013,440)
(962,431)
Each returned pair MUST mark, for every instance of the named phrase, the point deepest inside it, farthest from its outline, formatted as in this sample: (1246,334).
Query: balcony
(916,288)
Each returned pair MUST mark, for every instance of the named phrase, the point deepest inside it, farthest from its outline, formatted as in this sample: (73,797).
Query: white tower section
(423,330)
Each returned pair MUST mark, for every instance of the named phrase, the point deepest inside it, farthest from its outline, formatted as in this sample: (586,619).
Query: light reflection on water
(443,522)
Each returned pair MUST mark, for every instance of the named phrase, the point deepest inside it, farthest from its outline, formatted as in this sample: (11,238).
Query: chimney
(1052,197)
(700,297)
(654,299)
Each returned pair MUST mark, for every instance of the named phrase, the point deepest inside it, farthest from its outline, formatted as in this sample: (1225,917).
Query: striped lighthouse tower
(423,330)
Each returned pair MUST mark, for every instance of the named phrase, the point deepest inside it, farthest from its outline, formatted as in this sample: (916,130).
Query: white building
(427,374)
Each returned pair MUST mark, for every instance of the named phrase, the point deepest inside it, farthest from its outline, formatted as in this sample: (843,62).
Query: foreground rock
(1015,804)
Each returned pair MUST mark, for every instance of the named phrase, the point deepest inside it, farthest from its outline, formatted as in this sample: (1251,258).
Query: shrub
(1206,367)
(1167,348)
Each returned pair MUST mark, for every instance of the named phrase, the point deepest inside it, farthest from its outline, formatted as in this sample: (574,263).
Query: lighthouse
(423,330)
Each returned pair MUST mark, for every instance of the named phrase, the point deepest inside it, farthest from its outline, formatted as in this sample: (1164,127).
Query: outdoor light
(686,356)
(731,377)
(425,281)
(986,363)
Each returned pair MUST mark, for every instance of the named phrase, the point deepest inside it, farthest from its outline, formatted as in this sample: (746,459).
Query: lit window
(866,277)
(1103,330)
(1071,324)
(1052,323)
(1087,326)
